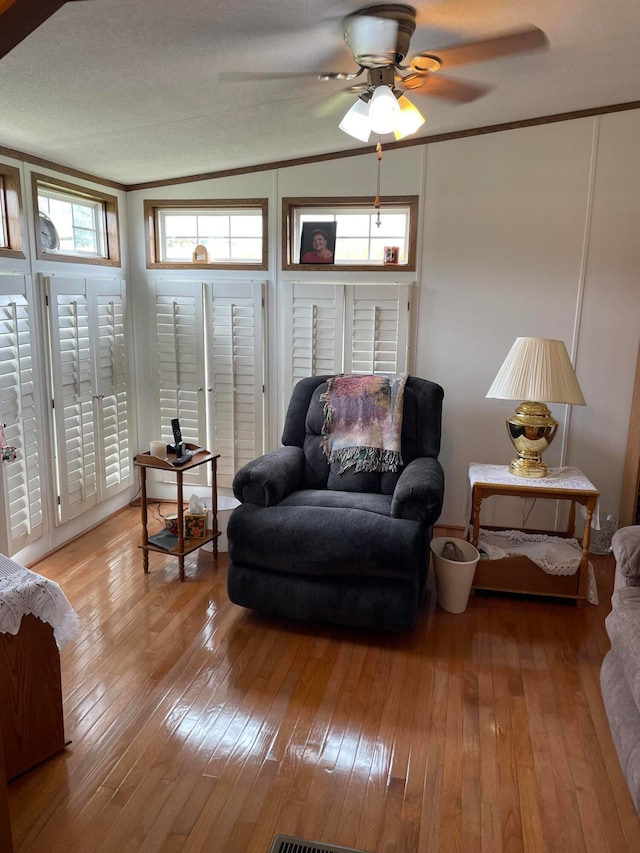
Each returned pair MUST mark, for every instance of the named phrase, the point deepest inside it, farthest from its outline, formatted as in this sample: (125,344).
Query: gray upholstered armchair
(312,544)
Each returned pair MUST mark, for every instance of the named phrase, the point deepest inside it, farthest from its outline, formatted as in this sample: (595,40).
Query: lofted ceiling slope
(132,92)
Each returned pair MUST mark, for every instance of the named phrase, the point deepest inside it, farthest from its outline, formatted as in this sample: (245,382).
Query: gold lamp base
(531,430)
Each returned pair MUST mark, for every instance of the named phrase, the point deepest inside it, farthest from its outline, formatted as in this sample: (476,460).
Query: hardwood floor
(199,726)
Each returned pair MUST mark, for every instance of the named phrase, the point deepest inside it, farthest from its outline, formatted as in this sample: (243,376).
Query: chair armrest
(270,478)
(419,492)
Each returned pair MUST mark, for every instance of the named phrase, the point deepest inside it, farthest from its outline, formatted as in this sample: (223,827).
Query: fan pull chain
(376,203)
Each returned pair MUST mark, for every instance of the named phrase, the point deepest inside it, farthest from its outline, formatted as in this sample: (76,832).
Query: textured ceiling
(130,91)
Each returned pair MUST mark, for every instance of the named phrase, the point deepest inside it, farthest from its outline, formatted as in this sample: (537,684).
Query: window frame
(290,206)
(111,235)
(152,231)
(11,211)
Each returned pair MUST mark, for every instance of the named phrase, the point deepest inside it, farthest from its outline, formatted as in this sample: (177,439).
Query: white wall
(531,231)
(503,241)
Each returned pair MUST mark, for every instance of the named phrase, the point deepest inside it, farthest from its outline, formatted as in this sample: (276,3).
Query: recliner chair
(311,544)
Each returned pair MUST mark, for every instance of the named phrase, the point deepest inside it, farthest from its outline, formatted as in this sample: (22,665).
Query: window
(233,233)
(362,233)
(10,211)
(76,225)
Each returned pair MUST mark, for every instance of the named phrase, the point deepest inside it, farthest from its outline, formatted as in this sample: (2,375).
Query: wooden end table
(518,573)
(184,545)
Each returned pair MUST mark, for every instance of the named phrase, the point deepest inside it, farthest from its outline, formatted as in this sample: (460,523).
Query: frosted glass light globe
(384,110)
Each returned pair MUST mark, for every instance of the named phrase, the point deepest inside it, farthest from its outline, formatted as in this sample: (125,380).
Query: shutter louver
(314,319)
(89,369)
(235,375)
(22,492)
(376,331)
(73,396)
(180,366)
(111,388)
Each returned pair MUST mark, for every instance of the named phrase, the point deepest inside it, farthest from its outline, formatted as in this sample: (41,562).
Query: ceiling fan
(379,37)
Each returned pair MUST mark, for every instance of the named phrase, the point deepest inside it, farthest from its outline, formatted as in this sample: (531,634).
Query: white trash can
(453,577)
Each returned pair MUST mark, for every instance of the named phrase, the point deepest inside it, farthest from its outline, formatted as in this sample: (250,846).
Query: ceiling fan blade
(444,87)
(239,76)
(480,50)
(329,105)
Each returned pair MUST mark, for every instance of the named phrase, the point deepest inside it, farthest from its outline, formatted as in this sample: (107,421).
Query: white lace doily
(554,555)
(23,591)
(557,478)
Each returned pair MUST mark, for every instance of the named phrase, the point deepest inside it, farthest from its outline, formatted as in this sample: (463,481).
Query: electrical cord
(525,516)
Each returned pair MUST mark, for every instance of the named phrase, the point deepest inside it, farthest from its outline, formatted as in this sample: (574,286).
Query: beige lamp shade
(537,369)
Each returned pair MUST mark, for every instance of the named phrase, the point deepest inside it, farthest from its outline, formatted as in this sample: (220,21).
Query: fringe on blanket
(366,459)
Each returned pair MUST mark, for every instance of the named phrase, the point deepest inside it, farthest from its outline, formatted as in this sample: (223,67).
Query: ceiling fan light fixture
(372,39)
(384,110)
(356,121)
(409,120)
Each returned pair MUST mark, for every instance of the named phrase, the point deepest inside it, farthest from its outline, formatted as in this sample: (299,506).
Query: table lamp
(536,369)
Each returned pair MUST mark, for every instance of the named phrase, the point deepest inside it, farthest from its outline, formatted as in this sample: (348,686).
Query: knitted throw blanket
(363,422)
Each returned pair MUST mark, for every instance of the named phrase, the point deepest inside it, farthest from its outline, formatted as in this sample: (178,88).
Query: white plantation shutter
(356,328)
(314,320)
(108,309)
(73,394)
(86,322)
(235,374)
(180,365)
(21,495)
(377,328)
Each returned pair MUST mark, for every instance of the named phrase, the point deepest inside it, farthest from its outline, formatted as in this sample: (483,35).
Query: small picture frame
(318,243)
(391,255)
(200,254)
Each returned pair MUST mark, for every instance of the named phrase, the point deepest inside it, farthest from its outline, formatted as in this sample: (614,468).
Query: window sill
(75,259)
(189,265)
(349,267)
(16,254)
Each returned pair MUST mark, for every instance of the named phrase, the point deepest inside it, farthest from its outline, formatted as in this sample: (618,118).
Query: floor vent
(289,844)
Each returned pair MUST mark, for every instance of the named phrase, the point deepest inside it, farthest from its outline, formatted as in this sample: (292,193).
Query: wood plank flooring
(199,726)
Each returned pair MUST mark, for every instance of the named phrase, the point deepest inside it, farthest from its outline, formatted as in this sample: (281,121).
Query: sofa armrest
(626,550)
(419,492)
(270,478)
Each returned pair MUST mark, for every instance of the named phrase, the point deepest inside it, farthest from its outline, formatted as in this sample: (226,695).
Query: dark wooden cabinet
(31,717)
(6,843)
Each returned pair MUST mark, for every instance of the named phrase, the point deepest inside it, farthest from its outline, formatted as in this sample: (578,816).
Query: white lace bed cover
(557,478)
(554,555)
(23,591)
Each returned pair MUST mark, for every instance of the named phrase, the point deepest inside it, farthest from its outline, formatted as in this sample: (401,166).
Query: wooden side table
(518,573)
(184,545)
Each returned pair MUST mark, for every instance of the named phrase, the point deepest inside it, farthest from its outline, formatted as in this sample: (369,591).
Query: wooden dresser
(35,618)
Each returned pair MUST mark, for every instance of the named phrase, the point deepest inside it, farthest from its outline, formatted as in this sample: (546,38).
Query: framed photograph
(318,242)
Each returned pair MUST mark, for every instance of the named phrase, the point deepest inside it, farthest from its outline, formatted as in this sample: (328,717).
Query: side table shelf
(185,545)
(518,573)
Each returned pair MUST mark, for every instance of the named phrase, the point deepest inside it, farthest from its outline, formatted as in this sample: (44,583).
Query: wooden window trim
(289,251)
(152,206)
(112,229)
(11,211)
